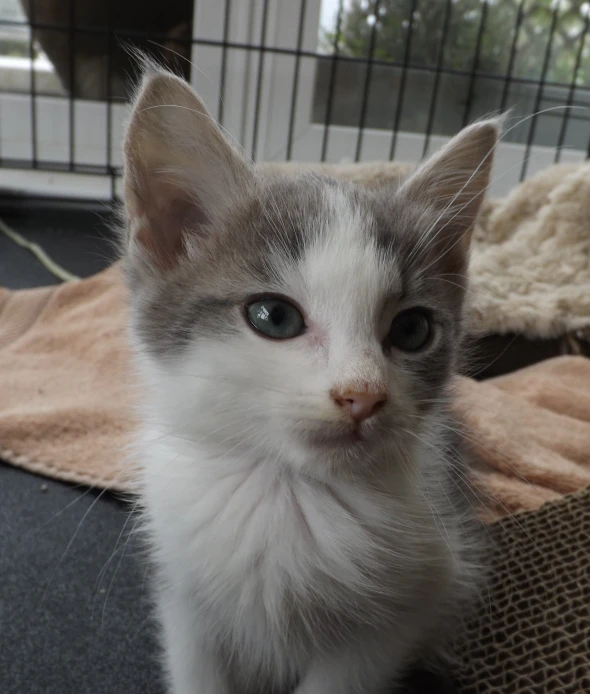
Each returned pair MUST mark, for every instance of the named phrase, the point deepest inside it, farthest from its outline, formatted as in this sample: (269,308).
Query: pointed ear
(181,174)
(452,183)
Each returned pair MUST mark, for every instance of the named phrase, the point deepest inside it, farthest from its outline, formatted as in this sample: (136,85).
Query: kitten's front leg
(193,667)
(370,667)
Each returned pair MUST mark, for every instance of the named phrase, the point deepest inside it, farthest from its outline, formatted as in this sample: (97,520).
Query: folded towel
(67,393)
(66,388)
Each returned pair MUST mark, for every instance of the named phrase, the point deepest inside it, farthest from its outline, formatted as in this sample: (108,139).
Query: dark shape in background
(84,39)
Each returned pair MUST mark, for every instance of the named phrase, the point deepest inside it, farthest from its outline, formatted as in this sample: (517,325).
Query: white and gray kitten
(296,336)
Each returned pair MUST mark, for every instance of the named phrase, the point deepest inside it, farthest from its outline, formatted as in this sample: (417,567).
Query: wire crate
(305,80)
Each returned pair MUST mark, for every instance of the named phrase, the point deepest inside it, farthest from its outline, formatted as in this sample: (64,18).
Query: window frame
(251,87)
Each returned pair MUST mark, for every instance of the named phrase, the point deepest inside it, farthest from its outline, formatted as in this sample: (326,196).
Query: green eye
(410,330)
(275,318)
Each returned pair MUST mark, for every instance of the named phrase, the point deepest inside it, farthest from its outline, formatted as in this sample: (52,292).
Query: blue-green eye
(275,318)
(410,330)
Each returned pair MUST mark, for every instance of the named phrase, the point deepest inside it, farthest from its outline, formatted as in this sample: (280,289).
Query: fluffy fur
(289,557)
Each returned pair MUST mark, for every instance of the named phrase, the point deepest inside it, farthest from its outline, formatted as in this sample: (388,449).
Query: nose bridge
(359,368)
(347,305)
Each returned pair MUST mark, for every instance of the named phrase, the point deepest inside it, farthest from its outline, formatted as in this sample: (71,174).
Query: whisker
(426,443)
(70,543)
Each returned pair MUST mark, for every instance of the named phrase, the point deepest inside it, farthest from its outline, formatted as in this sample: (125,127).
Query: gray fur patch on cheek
(431,372)
(428,371)
(274,228)
(398,232)
(168,329)
(244,255)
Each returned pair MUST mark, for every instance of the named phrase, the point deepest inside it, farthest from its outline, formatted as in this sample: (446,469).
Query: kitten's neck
(380,471)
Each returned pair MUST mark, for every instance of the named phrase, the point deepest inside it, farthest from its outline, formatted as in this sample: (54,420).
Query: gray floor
(74,613)
(73,603)
(74,616)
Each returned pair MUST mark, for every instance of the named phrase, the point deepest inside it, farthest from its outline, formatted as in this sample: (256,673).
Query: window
(334,80)
(425,69)
(20,55)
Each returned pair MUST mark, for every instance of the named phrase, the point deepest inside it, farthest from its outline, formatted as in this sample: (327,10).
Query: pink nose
(360,406)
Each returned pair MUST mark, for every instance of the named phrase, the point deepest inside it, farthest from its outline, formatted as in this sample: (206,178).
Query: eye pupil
(410,330)
(276,318)
(277,314)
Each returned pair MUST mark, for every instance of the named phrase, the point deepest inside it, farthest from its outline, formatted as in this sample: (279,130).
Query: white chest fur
(274,566)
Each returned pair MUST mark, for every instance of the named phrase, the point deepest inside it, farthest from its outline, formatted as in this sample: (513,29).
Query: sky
(328,12)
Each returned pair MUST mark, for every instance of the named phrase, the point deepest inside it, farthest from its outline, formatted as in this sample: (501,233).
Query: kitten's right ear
(453,183)
(181,174)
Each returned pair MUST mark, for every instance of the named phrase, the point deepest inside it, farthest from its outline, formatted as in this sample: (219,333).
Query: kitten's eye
(275,318)
(410,330)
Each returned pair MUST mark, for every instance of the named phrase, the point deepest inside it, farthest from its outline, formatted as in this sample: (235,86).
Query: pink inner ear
(450,253)
(164,218)
(166,256)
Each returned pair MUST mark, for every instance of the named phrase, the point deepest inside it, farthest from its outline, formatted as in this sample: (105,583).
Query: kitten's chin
(345,440)
(323,449)
(351,439)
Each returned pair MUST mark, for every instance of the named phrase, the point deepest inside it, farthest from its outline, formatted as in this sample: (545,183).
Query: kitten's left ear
(181,173)
(452,183)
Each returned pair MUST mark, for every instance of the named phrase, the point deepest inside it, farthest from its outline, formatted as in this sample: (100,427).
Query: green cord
(39,253)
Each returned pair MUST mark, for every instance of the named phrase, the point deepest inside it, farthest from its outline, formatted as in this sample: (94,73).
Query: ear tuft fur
(181,173)
(453,183)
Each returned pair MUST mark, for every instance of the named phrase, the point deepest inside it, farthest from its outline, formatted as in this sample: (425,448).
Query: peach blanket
(66,401)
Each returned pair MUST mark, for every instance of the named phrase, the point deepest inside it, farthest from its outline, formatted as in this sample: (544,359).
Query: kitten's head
(294,317)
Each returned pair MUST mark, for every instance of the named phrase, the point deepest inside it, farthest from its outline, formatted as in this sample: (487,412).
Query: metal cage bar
(332,85)
(404,75)
(72,80)
(474,69)
(295,90)
(571,91)
(259,81)
(513,53)
(34,153)
(367,81)
(109,96)
(336,122)
(437,75)
(223,69)
(539,96)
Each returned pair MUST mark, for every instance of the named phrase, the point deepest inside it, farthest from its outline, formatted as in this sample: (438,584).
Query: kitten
(296,336)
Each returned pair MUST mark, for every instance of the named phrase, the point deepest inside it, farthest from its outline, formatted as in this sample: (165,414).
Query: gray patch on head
(397,230)
(172,321)
(279,219)
(199,297)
